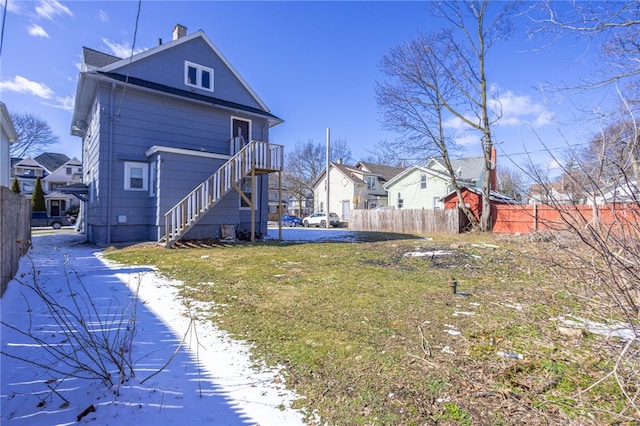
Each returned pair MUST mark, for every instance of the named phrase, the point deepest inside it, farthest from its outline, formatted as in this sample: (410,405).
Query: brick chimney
(493,177)
(179,31)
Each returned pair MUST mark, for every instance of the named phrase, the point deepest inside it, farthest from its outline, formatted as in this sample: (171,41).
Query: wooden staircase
(255,158)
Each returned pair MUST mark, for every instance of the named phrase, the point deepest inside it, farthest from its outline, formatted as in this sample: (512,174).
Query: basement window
(198,76)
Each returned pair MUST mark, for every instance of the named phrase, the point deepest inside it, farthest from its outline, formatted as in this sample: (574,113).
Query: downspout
(157,191)
(109,158)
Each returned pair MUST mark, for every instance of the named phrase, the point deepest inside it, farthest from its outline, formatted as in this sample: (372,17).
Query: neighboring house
(425,186)
(553,193)
(300,208)
(623,192)
(7,137)
(55,171)
(352,187)
(175,144)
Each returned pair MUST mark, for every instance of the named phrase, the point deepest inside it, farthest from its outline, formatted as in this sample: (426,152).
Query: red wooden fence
(526,219)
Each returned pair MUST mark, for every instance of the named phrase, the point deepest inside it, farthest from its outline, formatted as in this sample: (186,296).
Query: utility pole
(327,209)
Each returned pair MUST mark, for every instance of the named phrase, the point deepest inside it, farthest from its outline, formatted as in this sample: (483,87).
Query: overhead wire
(133,47)
(4,19)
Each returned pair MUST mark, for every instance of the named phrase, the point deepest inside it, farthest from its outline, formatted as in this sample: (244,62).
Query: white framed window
(371,182)
(136,176)
(198,76)
(400,202)
(423,181)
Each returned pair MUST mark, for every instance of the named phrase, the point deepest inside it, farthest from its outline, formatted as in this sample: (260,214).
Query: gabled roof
(94,59)
(7,123)
(349,172)
(26,162)
(468,169)
(51,161)
(181,40)
(426,170)
(186,94)
(471,168)
(103,67)
(382,171)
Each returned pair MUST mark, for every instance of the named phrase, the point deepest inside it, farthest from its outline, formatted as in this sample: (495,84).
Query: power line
(4,19)
(133,46)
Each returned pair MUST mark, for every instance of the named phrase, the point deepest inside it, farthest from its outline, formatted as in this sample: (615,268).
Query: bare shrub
(96,341)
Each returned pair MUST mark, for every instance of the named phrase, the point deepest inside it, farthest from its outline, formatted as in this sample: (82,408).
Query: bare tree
(601,253)
(512,183)
(34,135)
(459,63)
(305,162)
(413,101)
(479,29)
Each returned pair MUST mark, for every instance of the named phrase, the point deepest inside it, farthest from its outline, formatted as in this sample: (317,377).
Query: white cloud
(102,16)
(121,50)
(22,85)
(518,110)
(14,7)
(468,139)
(37,31)
(52,8)
(66,103)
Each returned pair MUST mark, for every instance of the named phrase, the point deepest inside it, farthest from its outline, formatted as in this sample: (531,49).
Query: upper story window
(423,181)
(198,76)
(69,170)
(371,182)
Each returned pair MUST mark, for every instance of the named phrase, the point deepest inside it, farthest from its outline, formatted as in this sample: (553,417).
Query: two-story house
(175,144)
(425,186)
(56,171)
(352,187)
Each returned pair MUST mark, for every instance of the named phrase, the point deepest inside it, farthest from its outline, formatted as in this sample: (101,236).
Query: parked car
(41,219)
(292,221)
(320,219)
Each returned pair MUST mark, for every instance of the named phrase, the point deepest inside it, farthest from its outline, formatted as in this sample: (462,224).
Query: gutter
(109,158)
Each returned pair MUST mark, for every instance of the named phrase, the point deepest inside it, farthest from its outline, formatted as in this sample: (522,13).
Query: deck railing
(257,156)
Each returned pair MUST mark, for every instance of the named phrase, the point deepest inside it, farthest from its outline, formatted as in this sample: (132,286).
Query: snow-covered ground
(210,378)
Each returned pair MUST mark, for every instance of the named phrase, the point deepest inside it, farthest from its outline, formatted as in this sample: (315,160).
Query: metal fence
(15,233)
(450,221)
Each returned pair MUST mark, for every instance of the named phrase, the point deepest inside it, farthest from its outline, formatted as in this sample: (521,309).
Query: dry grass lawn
(371,333)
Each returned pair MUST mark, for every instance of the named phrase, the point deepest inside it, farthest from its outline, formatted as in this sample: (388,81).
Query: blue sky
(315,64)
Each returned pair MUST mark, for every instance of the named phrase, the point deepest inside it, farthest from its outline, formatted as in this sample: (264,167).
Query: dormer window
(198,76)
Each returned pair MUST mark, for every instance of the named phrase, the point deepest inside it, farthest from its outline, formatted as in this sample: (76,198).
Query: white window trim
(423,181)
(199,69)
(128,165)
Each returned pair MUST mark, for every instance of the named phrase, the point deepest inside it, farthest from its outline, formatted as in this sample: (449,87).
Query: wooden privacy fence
(408,221)
(15,233)
(528,219)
